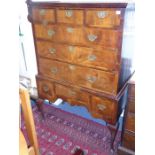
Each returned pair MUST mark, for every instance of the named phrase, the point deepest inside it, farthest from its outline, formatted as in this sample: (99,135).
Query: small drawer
(48,32)
(72,95)
(104,108)
(130,122)
(129,140)
(45,89)
(98,58)
(106,18)
(44,16)
(70,16)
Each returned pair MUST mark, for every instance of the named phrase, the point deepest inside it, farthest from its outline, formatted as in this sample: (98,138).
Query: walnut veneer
(79,54)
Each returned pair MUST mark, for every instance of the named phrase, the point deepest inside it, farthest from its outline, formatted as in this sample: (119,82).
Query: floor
(78,110)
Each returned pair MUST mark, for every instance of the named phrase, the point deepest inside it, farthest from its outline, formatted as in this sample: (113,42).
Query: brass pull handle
(91,79)
(101,107)
(101,14)
(45,88)
(54,70)
(50,32)
(42,12)
(91,57)
(72,93)
(71,67)
(70,29)
(71,48)
(52,50)
(69,13)
(92,37)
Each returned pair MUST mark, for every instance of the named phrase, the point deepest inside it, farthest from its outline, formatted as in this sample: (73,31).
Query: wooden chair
(30,127)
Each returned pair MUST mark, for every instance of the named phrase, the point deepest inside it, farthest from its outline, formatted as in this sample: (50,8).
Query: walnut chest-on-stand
(79,54)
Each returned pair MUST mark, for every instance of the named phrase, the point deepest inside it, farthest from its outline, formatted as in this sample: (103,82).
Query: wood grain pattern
(75,17)
(82,76)
(130,122)
(106,18)
(80,52)
(129,140)
(78,35)
(104,108)
(99,57)
(29,121)
(42,15)
(73,95)
(46,90)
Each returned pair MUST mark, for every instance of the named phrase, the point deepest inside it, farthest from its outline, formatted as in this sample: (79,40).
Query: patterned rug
(61,132)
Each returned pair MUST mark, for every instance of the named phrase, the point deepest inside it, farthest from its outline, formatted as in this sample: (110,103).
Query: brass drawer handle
(71,67)
(91,79)
(45,88)
(50,32)
(69,13)
(71,48)
(54,70)
(52,50)
(101,107)
(42,12)
(72,93)
(91,57)
(101,14)
(70,29)
(92,37)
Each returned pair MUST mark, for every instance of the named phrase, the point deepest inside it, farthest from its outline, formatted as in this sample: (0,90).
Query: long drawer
(98,57)
(81,76)
(78,35)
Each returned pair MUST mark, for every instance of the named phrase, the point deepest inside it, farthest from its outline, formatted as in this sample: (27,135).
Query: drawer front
(45,89)
(72,95)
(106,18)
(46,32)
(81,76)
(55,70)
(130,122)
(132,91)
(99,58)
(69,16)
(104,108)
(78,35)
(44,16)
(129,140)
(131,107)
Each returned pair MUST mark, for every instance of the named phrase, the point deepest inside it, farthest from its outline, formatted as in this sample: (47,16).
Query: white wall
(28,44)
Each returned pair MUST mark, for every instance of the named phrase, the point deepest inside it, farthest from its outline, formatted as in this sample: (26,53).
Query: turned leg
(40,104)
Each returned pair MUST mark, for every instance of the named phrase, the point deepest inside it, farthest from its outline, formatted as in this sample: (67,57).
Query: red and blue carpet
(61,132)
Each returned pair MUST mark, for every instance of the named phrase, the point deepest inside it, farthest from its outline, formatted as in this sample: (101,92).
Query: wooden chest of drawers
(129,133)
(79,56)
(128,137)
